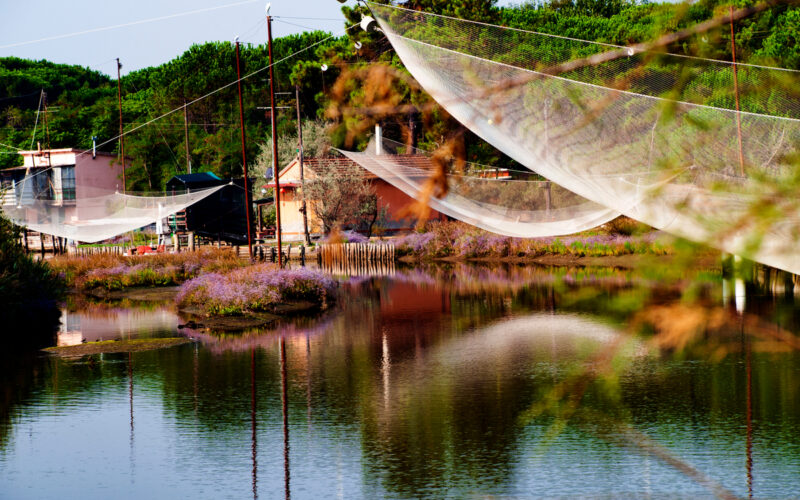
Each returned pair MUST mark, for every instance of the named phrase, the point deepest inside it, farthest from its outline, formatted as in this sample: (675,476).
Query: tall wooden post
(186,137)
(121,137)
(736,91)
(273,121)
(300,157)
(244,155)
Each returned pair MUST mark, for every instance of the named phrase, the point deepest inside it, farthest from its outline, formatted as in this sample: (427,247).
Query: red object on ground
(143,249)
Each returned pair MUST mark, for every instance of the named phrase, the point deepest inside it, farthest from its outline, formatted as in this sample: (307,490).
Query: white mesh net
(34,203)
(518,208)
(665,150)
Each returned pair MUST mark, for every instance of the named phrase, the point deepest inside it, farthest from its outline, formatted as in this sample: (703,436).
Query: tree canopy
(82,103)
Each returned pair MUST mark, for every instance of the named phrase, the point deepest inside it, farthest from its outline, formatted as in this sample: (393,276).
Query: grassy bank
(456,240)
(257,288)
(114,346)
(116,272)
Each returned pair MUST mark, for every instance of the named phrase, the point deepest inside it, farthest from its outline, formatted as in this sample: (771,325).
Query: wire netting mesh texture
(651,135)
(95,214)
(518,208)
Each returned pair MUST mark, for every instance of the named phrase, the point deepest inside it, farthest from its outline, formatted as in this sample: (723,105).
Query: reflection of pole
(130,398)
(749,445)
(121,137)
(300,156)
(244,155)
(253,437)
(285,408)
(308,382)
(736,91)
(273,121)
(195,377)
(130,389)
(386,364)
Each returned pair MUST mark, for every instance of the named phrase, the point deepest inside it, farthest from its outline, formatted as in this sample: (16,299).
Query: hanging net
(651,135)
(89,213)
(518,208)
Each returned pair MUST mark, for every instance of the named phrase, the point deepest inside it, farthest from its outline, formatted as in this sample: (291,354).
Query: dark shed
(220,215)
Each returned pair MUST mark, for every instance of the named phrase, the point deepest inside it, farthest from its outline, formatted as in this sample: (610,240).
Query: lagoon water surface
(454,383)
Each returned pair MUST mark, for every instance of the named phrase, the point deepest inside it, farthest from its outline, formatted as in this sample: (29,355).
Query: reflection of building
(108,324)
(65,179)
(390,199)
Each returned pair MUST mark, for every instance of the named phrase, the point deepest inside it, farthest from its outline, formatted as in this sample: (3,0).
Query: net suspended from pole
(651,135)
(89,214)
(518,208)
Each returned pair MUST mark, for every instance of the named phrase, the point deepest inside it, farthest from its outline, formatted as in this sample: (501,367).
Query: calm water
(456,383)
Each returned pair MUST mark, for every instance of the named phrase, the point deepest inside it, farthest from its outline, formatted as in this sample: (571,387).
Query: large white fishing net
(651,135)
(94,214)
(519,208)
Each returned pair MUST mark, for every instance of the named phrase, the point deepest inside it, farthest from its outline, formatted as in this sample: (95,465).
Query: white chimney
(378,139)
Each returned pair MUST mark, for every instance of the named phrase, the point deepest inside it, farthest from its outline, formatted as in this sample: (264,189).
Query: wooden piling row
(357,258)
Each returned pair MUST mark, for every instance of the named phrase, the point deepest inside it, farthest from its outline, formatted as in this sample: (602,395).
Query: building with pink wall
(66,178)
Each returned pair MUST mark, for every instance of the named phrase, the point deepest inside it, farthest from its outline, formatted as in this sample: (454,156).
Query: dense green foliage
(84,101)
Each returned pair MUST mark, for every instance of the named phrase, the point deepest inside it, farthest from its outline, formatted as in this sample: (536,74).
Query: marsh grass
(116,272)
(459,240)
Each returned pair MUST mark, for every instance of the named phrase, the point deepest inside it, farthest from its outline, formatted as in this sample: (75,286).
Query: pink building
(64,177)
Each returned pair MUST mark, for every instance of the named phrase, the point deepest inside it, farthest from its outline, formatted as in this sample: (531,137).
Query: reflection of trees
(444,394)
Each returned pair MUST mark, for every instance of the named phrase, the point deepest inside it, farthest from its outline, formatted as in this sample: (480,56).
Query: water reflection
(95,322)
(456,382)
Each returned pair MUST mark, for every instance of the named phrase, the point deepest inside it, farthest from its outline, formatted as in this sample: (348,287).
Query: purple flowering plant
(255,288)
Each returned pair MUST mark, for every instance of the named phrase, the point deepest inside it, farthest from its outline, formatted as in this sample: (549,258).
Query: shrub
(29,289)
(254,288)
(445,239)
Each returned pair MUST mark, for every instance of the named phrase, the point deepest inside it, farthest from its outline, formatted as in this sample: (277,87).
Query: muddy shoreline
(116,346)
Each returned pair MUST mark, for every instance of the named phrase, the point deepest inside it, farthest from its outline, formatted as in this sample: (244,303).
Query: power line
(220,89)
(580,40)
(297,25)
(310,18)
(18,96)
(124,25)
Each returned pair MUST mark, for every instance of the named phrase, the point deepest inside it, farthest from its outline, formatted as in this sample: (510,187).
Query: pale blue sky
(150,43)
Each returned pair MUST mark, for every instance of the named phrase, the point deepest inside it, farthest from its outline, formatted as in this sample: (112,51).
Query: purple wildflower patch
(255,288)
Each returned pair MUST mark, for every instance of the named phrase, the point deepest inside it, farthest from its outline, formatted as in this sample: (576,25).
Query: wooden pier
(357,258)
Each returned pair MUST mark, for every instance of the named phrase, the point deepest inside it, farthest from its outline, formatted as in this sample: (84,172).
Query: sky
(150,43)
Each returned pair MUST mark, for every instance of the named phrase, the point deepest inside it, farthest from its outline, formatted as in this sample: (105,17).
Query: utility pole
(186,137)
(244,154)
(736,91)
(273,121)
(300,157)
(121,137)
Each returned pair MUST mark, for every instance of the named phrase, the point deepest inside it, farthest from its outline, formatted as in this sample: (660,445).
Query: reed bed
(117,272)
(459,240)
